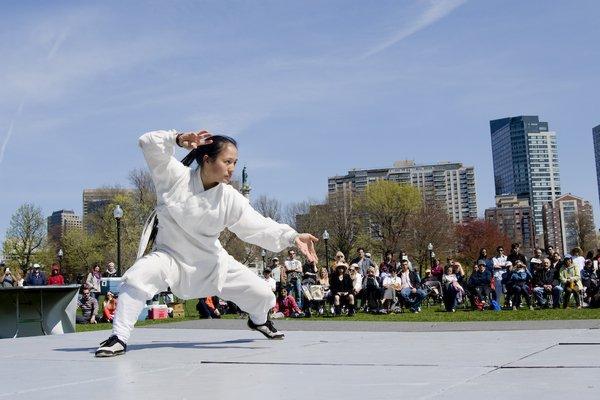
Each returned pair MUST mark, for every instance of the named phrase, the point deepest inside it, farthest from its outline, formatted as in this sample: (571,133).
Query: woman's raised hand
(306,244)
(191,140)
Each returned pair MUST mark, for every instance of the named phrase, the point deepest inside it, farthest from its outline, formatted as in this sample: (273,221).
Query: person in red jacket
(56,277)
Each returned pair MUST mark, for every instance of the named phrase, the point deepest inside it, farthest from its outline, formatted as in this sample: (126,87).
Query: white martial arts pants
(243,287)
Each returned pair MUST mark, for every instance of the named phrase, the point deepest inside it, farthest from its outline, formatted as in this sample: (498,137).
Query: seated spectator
(270,281)
(56,277)
(372,292)
(8,280)
(589,280)
(433,283)
(356,282)
(338,258)
(111,271)
(109,306)
(309,271)
(546,282)
(411,293)
(286,306)
(392,285)
(323,280)
(89,308)
(36,277)
(459,271)
(508,284)
(571,282)
(207,308)
(480,284)
(520,278)
(341,289)
(453,291)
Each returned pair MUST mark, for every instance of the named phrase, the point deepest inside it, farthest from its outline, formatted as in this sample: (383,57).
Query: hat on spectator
(7,269)
(481,262)
(427,270)
(36,266)
(341,265)
(568,257)
(275,259)
(267,271)
(353,267)
(368,255)
(535,261)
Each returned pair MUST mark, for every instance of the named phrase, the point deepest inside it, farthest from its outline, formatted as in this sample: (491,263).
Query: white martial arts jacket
(190,219)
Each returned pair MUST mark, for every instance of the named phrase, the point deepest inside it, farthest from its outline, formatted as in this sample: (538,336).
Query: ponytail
(211,150)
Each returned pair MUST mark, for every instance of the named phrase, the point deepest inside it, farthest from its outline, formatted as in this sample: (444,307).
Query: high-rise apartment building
(451,184)
(526,163)
(513,217)
(61,221)
(568,220)
(596,136)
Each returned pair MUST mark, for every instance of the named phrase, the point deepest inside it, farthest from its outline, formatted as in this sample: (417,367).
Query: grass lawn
(432,314)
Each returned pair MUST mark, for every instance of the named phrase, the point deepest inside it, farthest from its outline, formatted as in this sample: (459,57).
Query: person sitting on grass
(480,284)
(520,279)
(89,308)
(341,290)
(571,281)
(392,285)
(546,282)
(109,306)
(286,306)
(589,280)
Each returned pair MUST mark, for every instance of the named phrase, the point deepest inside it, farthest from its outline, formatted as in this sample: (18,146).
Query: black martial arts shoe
(113,346)
(266,329)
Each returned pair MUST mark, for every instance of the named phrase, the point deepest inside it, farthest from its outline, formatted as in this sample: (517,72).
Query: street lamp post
(118,214)
(263,254)
(326,239)
(60,256)
(430,249)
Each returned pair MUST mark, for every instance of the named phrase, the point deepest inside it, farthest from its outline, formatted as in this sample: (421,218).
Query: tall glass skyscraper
(596,134)
(526,163)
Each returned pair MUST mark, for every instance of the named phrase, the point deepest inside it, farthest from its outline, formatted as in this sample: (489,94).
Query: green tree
(81,251)
(25,237)
(386,208)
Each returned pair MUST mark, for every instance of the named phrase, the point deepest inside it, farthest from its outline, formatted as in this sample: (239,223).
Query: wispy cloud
(10,129)
(437,10)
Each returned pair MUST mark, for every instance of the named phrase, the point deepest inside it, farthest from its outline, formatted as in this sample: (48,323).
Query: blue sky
(310,89)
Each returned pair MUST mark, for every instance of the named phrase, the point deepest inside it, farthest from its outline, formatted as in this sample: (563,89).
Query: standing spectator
(8,280)
(286,306)
(411,292)
(56,277)
(453,291)
(109,306)
(89,308)
(111,271)
(571,281)
(499,269)
(267,277)
(278,273)
(309,272)
(578,259)
(479,283)
(36,277)
(508,284)
(520,278)
(556,261)
(437,271)
(363,261)
(388,264)
(403,256)
(550,251)
(515,254)
(546,281)
(93,281)
(341,289)
(372,291)
(293,270)
(489,263)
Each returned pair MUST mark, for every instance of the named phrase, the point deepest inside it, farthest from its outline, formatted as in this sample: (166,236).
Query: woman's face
(220,169)
(96,269)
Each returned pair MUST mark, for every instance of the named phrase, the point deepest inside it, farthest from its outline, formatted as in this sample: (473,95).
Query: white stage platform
(330,365)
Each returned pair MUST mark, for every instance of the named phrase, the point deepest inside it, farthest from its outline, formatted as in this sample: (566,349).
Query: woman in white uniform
(194,205)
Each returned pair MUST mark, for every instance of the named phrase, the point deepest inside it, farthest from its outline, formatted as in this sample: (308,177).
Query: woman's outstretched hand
(191,140)
(306,244)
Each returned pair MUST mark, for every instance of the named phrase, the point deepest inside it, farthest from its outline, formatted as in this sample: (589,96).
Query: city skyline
(310,91)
